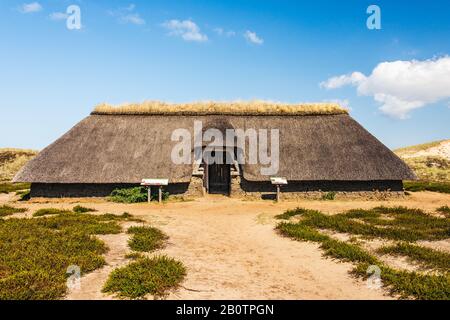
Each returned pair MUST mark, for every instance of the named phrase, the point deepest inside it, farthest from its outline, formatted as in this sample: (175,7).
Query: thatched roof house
(321,148)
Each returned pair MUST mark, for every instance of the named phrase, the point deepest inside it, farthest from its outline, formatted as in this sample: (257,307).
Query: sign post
(278,182)
(154,182)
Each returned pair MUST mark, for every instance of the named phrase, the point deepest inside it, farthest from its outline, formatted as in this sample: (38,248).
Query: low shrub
(414,186)
(6,210)
(135,195)
(49,211)
(427,257)
(155,276)
(329,196)
(146,239)
(445,210)
(35,253)
(13,187)
(129,195)
(406,224)
(24,195)
(80,209)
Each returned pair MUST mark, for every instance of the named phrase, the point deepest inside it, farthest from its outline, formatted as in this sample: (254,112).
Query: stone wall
(319,189)
(239,188)
(78,190)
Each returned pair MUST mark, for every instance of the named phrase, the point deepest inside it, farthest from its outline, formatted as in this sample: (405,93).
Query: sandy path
(231,250)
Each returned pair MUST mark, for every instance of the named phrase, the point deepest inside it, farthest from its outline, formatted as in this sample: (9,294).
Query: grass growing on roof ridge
(210,107)
(146,239)
(155,276)
(404,283)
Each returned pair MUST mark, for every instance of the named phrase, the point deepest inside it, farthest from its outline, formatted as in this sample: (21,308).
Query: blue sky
(177,51)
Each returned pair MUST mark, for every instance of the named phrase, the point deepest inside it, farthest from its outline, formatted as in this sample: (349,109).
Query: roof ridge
(219,108)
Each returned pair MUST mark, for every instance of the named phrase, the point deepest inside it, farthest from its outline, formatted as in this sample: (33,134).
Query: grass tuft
(146,239)
(49,211)
(427,257)
(35,253)
(6,210)
(403,223)
(80,209)
(155,276)
(414,186)
(445,210)
(329,196)
(13,187)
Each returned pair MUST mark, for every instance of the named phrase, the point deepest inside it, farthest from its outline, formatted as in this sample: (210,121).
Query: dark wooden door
(219,178)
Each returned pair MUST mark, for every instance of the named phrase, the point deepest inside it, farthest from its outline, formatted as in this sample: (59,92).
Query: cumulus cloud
(401,86)
(127,15)
(345,103)
(223,32)
(253,37)
(186,29)
(56,16)
(30,7)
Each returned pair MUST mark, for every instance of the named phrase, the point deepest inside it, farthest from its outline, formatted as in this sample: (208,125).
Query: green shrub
(12,187)
(329,196)
(129,195)
(134,256)
(404,223)
(414,186)
(425,256)
(6,210)
(24,195)
(135,195)
(80,209)
(49,211)
(155,276)
(146,239)
(35,253)
(164,196)
(445,210)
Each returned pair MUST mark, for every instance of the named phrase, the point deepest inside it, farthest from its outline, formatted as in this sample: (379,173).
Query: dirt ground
(231,250)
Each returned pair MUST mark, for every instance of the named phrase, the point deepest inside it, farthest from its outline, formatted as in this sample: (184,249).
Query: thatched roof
(128,148)
(221,108)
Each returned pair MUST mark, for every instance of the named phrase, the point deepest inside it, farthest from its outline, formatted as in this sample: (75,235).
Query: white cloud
(30,7)
(58,16)
(186,29)
(343,80)
(345,103)
(401,86)
(226,33)
(127,15)
(134,18)
(253,37)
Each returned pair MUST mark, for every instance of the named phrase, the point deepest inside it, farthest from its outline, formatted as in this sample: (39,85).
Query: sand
(231,250)
(442,150)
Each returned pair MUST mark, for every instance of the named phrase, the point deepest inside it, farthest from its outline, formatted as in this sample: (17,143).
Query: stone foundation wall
(239,188)
(318,189)
(78,190)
